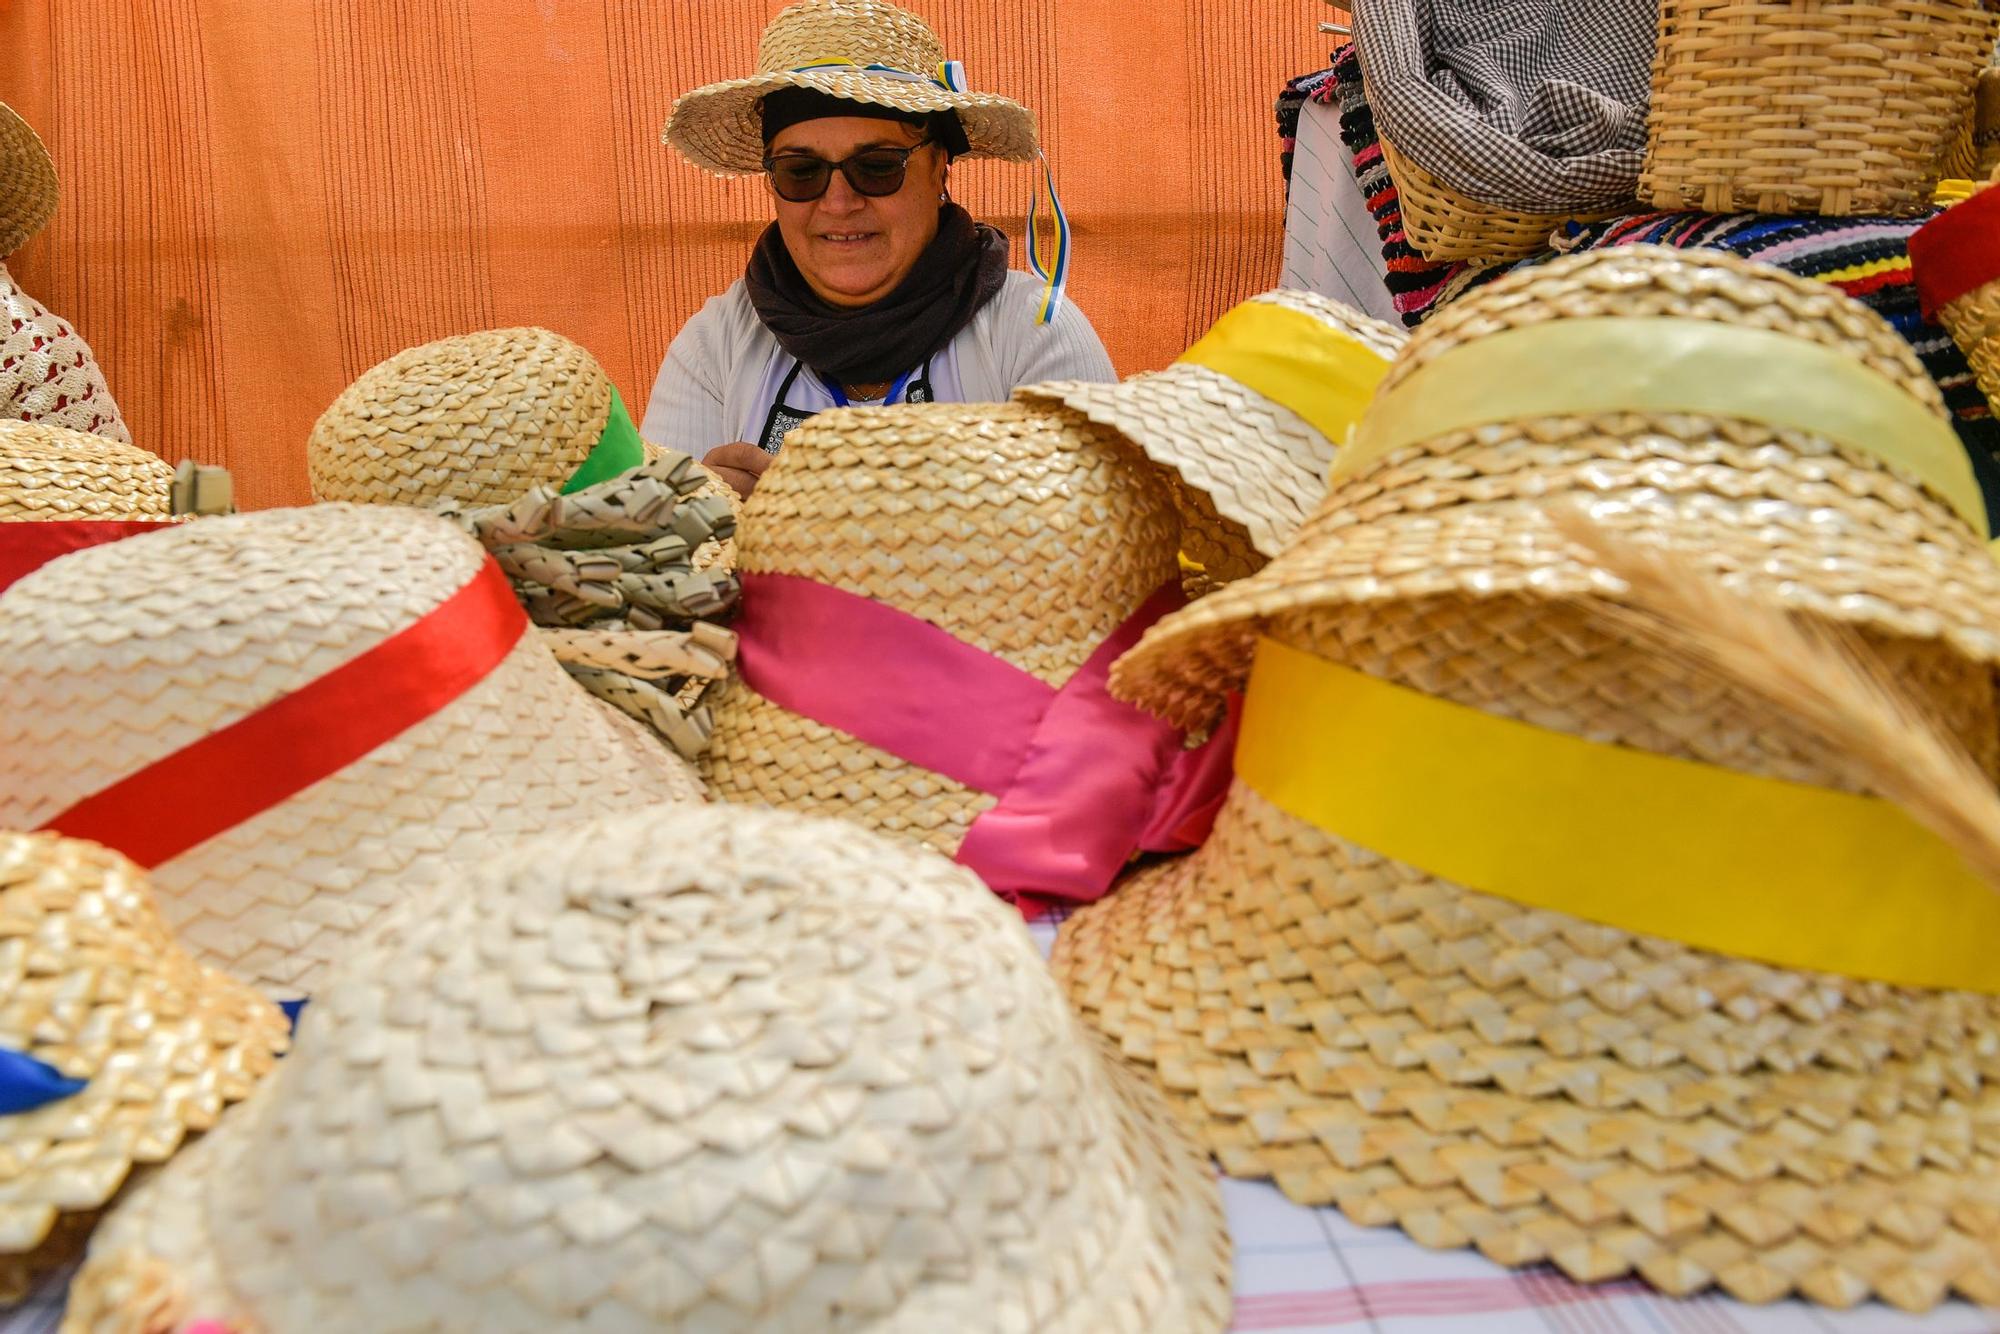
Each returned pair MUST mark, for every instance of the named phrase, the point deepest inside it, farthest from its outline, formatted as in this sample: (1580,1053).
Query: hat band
(1958,251)
(1083,780)
(26,1083)
(949,75)
(1321,374)
(26,547)
(1668,364)
(618,449)
(269,756)
(1785,873)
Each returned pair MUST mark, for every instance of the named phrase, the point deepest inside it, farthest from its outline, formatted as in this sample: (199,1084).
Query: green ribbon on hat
(618,450)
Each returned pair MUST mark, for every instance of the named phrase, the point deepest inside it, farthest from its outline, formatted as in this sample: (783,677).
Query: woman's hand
(739,464)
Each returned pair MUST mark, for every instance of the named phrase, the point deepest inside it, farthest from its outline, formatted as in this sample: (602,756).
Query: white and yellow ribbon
(1321,373)
(1759,868)
(1670,364)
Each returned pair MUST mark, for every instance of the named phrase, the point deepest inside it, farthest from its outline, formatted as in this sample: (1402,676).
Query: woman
(871,286)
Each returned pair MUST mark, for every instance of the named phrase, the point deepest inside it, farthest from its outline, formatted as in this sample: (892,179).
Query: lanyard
(840,395)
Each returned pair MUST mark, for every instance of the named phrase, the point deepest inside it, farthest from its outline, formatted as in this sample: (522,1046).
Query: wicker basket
(1986,124)
(1443,224)
(1837,107)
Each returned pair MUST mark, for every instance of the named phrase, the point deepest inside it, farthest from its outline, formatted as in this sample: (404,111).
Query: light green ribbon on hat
(618,450)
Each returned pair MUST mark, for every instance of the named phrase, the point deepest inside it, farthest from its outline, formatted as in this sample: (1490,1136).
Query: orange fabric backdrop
(264,199)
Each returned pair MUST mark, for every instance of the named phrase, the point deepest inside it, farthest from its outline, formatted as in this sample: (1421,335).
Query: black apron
(783,418)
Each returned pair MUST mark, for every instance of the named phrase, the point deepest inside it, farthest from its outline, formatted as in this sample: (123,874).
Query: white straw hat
(860,50)
(279,714)
(29,190)
(695,1068)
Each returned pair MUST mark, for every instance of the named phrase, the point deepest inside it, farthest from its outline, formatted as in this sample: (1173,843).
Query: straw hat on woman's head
(478,419)
(283,715)
(28,186)
(114,1044)
(862,51)
(696,1068)
(1520,934)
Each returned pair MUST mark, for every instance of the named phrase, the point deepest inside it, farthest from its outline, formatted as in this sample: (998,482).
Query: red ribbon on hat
(1084,781)
(28,545)
(1957,251)
(207,788)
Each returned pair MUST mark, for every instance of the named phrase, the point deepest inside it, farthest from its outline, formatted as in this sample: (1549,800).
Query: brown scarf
(960,271)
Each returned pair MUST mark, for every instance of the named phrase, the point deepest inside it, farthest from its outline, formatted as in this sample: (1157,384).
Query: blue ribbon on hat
(26,1083)
(1050,263)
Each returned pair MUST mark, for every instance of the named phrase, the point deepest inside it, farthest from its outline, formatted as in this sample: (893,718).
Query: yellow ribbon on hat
(1322,374)
(1669,364)
(1759,868)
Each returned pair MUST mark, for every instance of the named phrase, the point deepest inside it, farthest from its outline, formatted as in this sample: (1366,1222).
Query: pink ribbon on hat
(1084,781)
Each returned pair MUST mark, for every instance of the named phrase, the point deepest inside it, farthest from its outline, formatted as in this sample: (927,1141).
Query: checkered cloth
(1538,105)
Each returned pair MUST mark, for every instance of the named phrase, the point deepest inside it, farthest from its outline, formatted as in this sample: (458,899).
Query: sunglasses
(875,172)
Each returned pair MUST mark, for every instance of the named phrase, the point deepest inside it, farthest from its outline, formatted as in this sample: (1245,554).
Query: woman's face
(854,249)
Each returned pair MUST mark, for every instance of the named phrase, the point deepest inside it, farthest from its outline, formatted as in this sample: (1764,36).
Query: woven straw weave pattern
(1025,531)
(50,472)
(1246,470)
(1974,322)
(1543,1088)
(1774,513)
(720,127)
(48,373)
(107,668)
(804,1081)
(28,187)
(1986,124)
(92,984)
(1838,107)
(477,419)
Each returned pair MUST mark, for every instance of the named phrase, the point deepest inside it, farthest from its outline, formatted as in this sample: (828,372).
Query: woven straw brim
(797,1080)
(720,128)
(717,554)
(1777,514)
(107,668)
(480,419)
(92,984)
(1545,1088)
(47,472)
(1022,529)
(29,190)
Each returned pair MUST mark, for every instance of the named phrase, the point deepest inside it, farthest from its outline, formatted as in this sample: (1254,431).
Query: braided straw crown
(1022,529)
(797,1079)
(1776,513)
(50,472)
(29,190)
(114,658)
(720,128)
(92,984)
(478,419)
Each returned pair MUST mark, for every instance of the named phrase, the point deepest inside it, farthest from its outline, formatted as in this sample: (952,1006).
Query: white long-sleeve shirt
(724,370)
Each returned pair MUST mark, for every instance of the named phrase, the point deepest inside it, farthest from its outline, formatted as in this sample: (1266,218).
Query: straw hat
(478,419)
(1022,529)
(1957,260)
(864,51)
(139,1043)
(1219,416)
(28,186)
(1812,525)
(799,1079)
(48,472)
(280,714)
(1485,1072)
